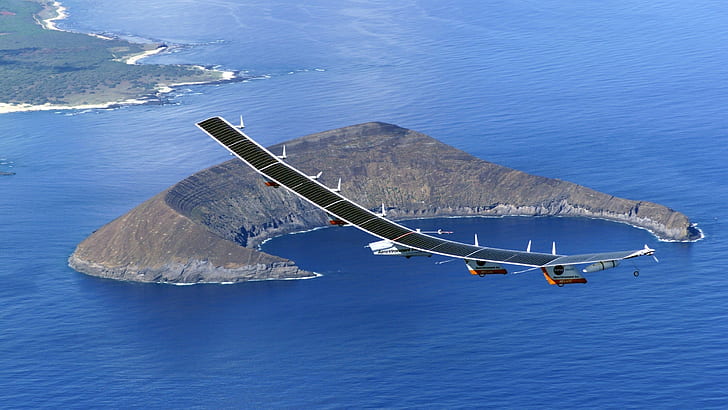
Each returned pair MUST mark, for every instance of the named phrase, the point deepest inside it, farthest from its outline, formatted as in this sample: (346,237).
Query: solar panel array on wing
(219,130)
(284,175)
(237,142)
(419,241)
(511,256)
(455,248)
(496,254)
(253,154)
(384,228)
(317,194)
(350,212)
(272,167)
(536,259)
(592,257)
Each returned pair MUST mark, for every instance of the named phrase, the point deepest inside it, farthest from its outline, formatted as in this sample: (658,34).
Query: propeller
(651,252)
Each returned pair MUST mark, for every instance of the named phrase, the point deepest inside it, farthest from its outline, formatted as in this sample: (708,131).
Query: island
(208,227)
(44,68)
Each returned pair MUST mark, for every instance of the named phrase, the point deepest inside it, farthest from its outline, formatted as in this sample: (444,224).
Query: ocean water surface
(624,98)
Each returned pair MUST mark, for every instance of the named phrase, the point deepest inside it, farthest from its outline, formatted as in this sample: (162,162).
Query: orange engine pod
(272,184)
(561,275)
(482,268)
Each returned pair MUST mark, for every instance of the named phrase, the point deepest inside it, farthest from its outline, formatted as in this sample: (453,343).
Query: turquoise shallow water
(627,99)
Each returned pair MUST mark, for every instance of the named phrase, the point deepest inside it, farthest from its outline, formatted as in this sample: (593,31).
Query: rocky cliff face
(218,216)
(154,243)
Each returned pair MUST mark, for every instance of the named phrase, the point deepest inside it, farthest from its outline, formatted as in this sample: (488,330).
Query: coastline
(221,217)
(60,11)
(57,11)
(651,231)
(226,76)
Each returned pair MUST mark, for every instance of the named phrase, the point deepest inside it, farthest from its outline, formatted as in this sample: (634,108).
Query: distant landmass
(42,67)
(207,227)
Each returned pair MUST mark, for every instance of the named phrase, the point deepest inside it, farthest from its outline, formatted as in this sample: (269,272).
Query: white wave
(314,276)
(653,233)
(290,233)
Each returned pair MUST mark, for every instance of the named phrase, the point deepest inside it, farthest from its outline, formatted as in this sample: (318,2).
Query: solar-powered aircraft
(396,239)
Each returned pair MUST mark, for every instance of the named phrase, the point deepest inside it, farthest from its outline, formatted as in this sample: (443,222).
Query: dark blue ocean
(630,98)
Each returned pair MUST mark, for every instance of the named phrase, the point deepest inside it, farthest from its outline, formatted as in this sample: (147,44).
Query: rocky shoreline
(155,244)
(219,216)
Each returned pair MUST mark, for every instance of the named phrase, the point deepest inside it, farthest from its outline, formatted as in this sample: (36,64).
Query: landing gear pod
(597,266)
(336,221)
(482,268)
(562,275)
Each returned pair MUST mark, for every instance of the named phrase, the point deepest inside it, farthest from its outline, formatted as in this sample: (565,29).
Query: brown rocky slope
(207,227)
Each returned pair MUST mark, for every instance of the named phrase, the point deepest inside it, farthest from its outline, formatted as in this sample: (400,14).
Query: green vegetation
(39,66)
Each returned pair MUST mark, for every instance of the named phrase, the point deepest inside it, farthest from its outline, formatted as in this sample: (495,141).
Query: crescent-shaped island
(207,228)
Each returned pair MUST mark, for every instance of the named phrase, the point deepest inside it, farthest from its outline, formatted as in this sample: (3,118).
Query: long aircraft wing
(275,169)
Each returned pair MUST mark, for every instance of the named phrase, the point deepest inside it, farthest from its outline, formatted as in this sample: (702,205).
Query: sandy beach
(135,58)
(8,108)
(60,14)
